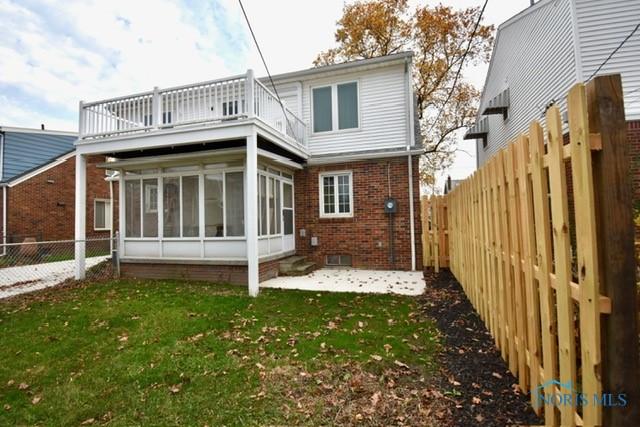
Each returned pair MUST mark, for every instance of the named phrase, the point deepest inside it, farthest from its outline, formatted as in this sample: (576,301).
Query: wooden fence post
(615,230)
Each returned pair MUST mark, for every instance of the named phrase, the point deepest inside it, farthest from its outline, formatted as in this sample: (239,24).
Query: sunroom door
(289,241)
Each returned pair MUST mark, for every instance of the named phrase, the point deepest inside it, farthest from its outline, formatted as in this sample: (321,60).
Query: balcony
(211,103)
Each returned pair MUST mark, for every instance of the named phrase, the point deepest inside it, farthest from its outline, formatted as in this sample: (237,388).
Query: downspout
(410,142)
(111,216)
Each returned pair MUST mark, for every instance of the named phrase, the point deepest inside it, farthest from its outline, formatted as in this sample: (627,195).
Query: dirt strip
(475,383)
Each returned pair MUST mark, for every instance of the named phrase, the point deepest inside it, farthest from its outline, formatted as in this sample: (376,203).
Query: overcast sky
(55,53)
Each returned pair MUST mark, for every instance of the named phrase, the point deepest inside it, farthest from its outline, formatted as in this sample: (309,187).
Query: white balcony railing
(216,101)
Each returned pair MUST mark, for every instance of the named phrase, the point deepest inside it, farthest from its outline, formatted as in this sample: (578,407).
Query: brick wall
(365,236)
(44,205)
(234,274)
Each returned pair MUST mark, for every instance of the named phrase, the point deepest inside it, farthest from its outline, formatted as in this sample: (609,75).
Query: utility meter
(390,205)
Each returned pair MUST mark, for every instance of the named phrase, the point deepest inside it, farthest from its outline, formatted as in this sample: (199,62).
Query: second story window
(335,107)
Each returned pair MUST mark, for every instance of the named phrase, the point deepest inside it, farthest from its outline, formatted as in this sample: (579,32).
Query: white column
(81,214)
(251,213)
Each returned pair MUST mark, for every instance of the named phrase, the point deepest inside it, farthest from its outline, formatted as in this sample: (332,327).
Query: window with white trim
(101,214)
(336,194)
(335,107)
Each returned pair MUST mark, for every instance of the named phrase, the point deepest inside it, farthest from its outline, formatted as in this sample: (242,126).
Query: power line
(275,90)
(464,55)
(614,51)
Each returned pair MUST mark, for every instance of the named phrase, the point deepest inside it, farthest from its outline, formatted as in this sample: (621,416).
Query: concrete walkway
(29,278)
(353,280)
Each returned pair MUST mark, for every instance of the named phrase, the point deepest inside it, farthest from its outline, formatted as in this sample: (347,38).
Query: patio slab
(353,280)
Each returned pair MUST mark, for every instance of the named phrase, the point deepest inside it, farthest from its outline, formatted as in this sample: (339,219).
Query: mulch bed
(476,385)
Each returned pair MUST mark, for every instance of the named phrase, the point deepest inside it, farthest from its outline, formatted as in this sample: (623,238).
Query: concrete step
(296,266)
(300,269)
(292,261)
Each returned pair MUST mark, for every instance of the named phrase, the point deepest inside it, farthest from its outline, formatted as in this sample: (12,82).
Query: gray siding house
(545,49)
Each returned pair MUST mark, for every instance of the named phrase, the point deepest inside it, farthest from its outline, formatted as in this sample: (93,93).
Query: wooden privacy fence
(541,240)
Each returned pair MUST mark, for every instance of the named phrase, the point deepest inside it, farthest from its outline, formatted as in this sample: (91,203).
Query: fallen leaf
(88,421)
(260,366)
(36,400)
(323,345)
(375,399)
(175,388)
(497,375)
(7,407)
(10,383)
(123,338)
(376,357)
(476,400)
(23,386)
(402,365)
(479,418)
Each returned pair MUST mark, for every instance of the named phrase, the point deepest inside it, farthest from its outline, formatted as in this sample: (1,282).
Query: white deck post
(81,214)
(251,213)
(248,94)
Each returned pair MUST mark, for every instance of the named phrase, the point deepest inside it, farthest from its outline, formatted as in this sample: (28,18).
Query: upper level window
(335,107)
(336,194)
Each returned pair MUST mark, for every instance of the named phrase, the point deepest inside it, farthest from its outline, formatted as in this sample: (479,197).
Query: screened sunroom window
(132,208)
(234,203)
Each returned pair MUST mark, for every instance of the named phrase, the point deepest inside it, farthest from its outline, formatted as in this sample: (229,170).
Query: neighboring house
(37,185)
(540,53)
(220,182)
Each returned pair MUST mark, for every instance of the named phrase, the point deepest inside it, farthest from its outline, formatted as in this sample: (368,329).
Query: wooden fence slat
(516,268)
(505,262)
(562,257)
(588,273)
(528,251)
(497,254)
(543,260)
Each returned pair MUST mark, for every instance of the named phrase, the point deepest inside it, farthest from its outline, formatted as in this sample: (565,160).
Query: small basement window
(338,260)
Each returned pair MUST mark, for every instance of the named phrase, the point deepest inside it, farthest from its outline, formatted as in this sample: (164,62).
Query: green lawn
(184,353)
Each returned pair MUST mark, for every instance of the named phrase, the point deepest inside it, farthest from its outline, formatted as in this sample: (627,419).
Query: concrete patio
(353,280)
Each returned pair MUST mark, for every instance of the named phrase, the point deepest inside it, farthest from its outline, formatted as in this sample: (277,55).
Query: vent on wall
(338,260)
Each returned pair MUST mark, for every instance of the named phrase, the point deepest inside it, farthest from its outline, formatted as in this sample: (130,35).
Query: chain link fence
(32,265)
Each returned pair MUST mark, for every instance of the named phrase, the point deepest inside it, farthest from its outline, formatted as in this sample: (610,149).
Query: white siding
(602,25)
(534,57)
(382,102)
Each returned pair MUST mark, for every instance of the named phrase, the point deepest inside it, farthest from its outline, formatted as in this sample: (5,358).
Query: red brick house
(37,185)
(222,180)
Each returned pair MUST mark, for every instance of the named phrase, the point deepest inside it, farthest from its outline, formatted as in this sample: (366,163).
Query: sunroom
(205,175)
(193,209)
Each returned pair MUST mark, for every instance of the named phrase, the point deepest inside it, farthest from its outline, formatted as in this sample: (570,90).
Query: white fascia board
(44,168)
(168,158)
(279,159)
(165,138)
(40,131)
(187,135)
(351,157)
(340,68)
